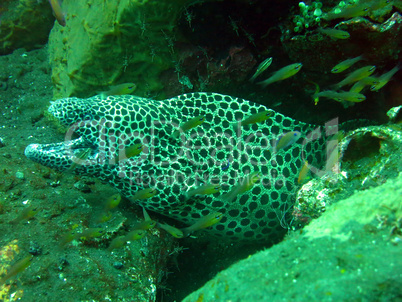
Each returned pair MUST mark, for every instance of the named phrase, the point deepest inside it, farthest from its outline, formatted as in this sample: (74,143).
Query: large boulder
(351,253)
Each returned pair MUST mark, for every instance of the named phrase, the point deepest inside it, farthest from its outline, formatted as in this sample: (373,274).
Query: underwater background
(156,150)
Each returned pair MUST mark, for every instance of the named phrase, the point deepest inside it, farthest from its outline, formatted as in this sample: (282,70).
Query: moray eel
(213,152)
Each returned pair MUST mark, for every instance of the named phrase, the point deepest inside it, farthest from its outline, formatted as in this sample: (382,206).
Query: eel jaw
(63,156)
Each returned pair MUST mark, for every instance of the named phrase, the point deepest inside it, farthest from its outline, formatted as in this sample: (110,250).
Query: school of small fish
(359,78)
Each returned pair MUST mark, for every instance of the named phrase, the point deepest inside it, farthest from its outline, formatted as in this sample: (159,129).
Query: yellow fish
(359,86)
(116,243)
(134,235)
(26,214)
(287,139)
(261,68)
(126,88)
(332,158)
(112,202)
(171,230)
(282,74)
(130,151)
(378,4)
(356,76)
(90,233)
(104,217)
(203,190)
(253,119)
(203,223)
(58,12)
(348,12)
(383,79)
(146,215)
(349,96)
(246,184)
(18,267)
(317,90)
(145,225)
(303,173)
(66,238)
(342,66)
(80,159)
(194,122)
(334,33)
(145,193)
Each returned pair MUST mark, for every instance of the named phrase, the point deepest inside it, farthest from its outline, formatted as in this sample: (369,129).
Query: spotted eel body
(214,152)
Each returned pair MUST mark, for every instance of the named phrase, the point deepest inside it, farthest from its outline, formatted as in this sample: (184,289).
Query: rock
(338,257)
(368,156)
(131,42)
(24,23)
(19,175)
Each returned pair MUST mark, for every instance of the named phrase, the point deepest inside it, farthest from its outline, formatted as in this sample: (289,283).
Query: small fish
(134,235)
(146,215)
(334,33)
(383,79)
(18,267)
(145,225)
(378,4)
(342,66)
(332,159)
(203,190)
(116,243)
(243,186)
(356,76)
(317,90)
(287,139)
(122,89)
(194,122)
(130,151)
(203,223)
(67,238)
(80,159)
(26,214)
(145,194)
(303,173)
(58,12)
(104,217)
(369,80)
(349,96)
(253,119)
(360,85)
(175,232)
(90,233)
(282,74)
(112,202)
(348,12)
(261,68)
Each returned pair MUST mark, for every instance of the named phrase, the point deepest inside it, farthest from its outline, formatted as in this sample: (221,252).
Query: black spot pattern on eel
(107,126)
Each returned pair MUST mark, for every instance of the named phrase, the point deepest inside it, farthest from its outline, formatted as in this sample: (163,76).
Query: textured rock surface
(24,23)
(368,157)
(131,42)
(339,257)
